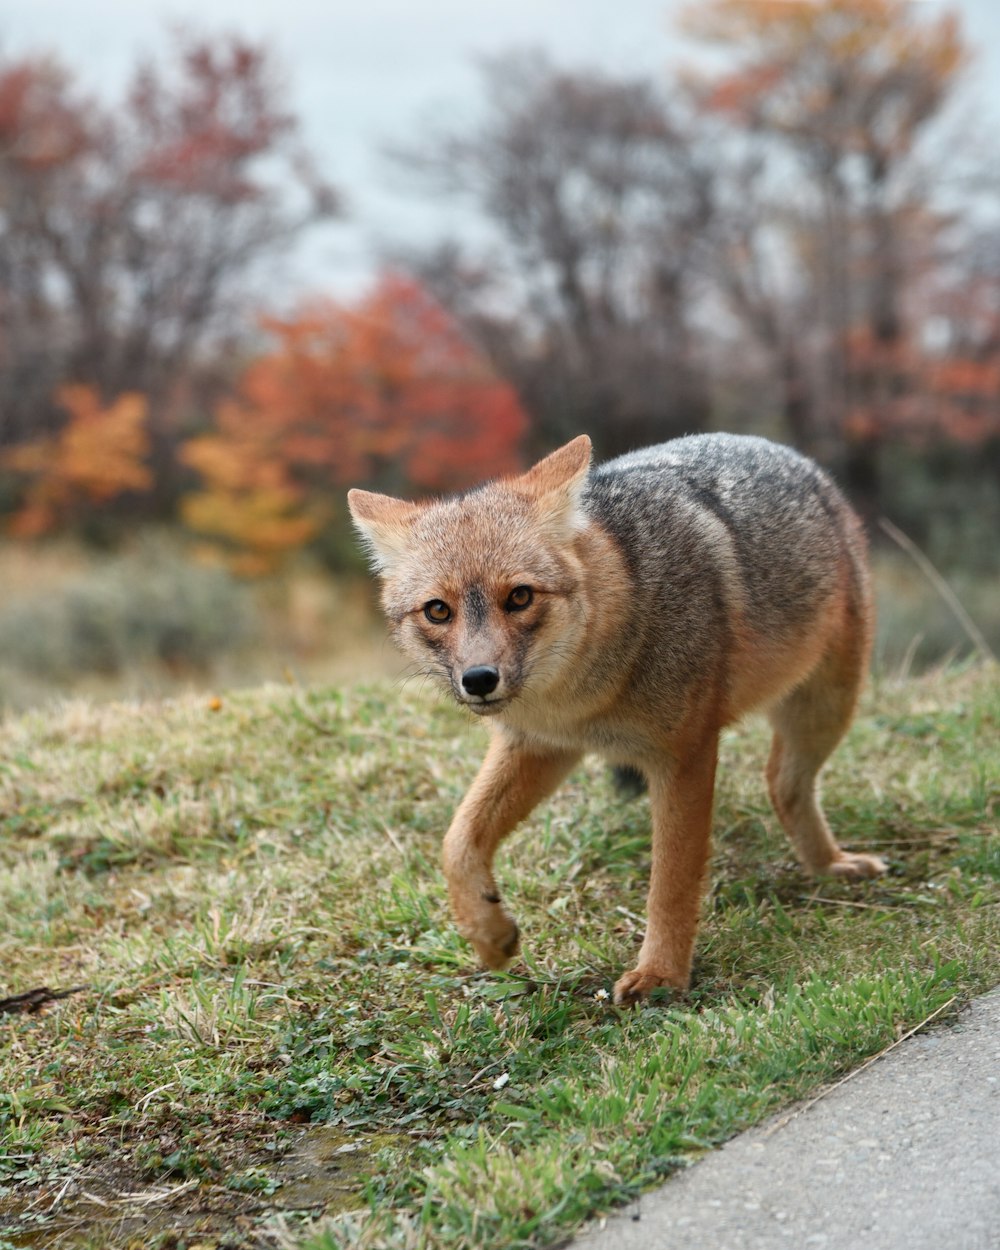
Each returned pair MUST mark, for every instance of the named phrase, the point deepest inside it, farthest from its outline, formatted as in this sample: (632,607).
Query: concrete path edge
(903,1156)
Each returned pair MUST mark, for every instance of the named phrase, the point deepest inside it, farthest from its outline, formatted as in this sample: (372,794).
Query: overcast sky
(362,74)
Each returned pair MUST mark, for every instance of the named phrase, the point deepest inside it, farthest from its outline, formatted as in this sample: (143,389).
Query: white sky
(362,74)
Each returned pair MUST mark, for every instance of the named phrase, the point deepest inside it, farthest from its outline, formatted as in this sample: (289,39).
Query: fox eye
(519,598)
(437,611)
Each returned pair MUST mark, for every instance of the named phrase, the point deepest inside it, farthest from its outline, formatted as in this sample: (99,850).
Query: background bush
(148,608)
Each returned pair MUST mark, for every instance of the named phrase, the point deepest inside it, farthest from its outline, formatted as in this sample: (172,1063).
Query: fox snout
(483,688)
(481,679)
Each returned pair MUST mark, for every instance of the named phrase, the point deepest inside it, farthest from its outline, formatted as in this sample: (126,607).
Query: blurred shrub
(915,628)
(946,498)
(151,607)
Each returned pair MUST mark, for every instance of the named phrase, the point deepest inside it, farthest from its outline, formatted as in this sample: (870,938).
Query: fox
(634,610)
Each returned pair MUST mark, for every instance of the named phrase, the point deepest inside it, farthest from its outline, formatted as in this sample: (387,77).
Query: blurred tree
(388,393)
(831,224)
(128,235)
(99,454)
(584,296)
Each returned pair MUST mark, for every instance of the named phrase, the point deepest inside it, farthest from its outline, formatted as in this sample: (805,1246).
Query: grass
(282,1042)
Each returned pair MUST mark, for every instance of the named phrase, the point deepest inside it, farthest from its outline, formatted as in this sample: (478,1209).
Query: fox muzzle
(481,680)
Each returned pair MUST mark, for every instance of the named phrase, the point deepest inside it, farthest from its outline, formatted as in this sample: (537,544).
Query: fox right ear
(557,484)
(384,525)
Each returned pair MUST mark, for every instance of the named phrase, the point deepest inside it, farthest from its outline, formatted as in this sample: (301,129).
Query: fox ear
(384,524)
(557,483)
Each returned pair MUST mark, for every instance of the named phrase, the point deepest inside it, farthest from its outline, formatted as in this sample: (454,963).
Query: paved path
(905,1156)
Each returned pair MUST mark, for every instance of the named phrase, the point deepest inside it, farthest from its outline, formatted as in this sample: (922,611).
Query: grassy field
(277,1039)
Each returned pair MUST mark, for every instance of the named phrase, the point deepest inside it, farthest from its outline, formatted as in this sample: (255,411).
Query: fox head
(483,591)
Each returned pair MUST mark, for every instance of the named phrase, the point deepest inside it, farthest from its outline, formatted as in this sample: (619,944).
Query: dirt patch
(110,1204)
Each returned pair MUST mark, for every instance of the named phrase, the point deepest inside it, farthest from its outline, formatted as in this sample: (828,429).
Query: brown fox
(634,610)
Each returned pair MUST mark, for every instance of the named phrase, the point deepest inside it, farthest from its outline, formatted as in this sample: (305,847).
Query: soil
(111,1204)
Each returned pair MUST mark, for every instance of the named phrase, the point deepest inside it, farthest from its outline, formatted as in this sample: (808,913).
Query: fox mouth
(487,707)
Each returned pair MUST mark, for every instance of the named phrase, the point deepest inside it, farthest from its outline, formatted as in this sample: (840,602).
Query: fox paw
(854,866)
(497,955)
(632,987)
(497,940)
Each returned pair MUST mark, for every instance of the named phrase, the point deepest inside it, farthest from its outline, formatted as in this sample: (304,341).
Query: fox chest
(613,737)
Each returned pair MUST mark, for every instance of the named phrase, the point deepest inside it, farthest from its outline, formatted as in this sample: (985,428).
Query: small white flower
(601,995)
(501,1080)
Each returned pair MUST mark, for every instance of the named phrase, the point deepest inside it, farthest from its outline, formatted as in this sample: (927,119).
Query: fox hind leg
(808,723)
(681,796)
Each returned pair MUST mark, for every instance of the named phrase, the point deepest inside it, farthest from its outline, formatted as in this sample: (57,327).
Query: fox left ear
(384,524)
(557,483)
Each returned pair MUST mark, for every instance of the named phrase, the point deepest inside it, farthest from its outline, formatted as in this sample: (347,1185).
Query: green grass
(283,1042)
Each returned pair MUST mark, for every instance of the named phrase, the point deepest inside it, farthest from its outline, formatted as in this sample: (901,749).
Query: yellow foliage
(862,72)
(249,501)
(266,514)
(97,455)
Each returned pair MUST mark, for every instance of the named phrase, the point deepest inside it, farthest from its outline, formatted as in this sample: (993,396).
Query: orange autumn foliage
(924,398)
(98,455)
(862,73)
(386,392)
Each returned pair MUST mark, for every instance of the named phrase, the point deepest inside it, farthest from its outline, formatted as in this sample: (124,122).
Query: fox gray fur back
(716,524)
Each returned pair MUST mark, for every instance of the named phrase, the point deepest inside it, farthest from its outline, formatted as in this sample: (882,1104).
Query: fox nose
(483,679)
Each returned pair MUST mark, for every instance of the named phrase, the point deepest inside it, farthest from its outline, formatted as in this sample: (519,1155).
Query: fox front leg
(510,783)
(681,803)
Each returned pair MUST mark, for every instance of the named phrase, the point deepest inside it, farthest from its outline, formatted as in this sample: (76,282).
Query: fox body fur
(634,610)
